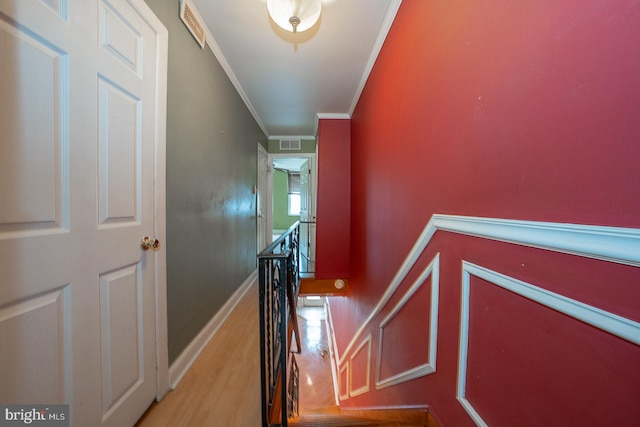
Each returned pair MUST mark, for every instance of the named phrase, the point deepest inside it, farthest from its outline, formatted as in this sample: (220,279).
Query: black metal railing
(278,282)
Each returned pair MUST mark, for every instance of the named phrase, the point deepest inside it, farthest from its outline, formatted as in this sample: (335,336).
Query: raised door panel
(121,332)
(36,328)
(119,155)
(120,37)
(33,180)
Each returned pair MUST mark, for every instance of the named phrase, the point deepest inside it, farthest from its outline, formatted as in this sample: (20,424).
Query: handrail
(278,288)
(276,244)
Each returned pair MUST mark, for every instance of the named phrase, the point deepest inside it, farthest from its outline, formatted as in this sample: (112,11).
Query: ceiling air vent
(191,18)
(289,144)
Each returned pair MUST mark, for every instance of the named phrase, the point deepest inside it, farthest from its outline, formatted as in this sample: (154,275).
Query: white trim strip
(463,351)
(345,369)
(394,6)
(616,325)
(329,116)
(415,252)
(186,359)
(433,270)
(613,244)
(365,388)
(333,352)
(217,52)
(300,137)
(333,116)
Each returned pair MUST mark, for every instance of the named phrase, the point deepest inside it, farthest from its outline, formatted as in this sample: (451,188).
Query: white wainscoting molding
(182,364)
(616,325)
(429,366)
(343,376)
(333,352)
(614,244)
(366,343)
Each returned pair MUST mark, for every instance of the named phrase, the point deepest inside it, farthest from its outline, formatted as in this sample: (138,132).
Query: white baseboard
(186,359)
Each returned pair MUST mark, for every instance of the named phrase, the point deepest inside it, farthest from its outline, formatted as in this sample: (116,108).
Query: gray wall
(211,170)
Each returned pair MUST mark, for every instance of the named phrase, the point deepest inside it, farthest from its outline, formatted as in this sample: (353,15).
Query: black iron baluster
(278,282)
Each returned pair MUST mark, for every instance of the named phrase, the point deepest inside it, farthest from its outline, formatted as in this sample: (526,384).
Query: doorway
(293,193)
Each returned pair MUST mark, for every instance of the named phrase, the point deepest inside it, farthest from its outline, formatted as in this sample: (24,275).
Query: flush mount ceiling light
(294,15)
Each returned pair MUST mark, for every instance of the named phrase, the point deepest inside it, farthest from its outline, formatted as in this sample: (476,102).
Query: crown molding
(300,137)
(382,36)
(217,52)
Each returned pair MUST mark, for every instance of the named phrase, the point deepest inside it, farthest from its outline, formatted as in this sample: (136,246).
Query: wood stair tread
(336,418)
(321,287)
(332,420)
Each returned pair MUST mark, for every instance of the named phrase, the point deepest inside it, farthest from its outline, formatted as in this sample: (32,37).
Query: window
(294,204)
(294,194)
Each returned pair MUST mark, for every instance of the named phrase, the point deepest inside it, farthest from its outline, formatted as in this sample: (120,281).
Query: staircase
(279,288)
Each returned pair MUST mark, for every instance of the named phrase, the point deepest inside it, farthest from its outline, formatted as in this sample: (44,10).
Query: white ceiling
(287,79)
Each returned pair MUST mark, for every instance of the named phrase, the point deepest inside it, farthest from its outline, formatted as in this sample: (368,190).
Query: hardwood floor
(316,381)
(222,388)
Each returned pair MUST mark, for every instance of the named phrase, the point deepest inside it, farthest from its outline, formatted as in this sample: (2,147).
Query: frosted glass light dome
(294,15)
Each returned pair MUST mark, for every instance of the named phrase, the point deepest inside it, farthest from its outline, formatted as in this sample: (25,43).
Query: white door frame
(160,203)
(267,210)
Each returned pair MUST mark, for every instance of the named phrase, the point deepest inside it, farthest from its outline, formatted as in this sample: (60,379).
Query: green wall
(281,218)
(211,171)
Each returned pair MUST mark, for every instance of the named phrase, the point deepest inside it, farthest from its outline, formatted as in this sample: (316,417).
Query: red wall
(502,109)
(334,199)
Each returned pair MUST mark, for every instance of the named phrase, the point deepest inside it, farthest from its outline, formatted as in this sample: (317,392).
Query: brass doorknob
(148,243)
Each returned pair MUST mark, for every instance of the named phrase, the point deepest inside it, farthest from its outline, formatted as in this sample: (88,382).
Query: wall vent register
(191,18)
(289,144)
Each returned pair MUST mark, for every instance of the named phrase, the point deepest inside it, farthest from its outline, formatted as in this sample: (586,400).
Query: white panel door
(77,117)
